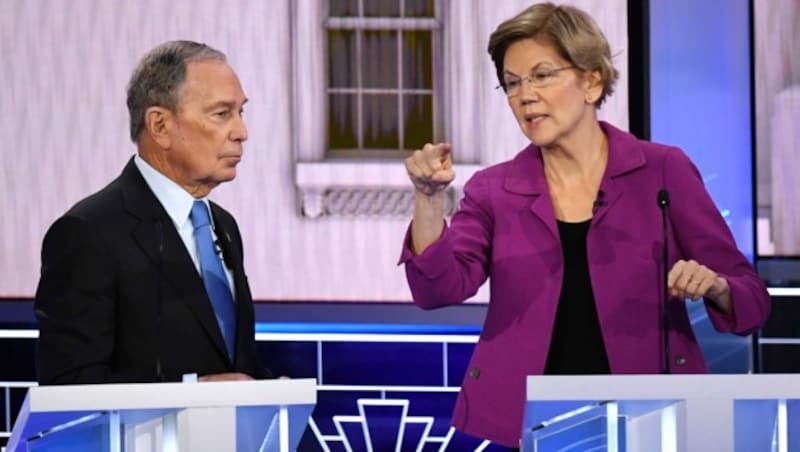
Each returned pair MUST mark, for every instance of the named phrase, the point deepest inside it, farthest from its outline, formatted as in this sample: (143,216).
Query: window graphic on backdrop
(777,89)
(381,89)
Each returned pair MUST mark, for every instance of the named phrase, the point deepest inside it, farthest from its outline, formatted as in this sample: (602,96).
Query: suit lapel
(156,235)
(229,241)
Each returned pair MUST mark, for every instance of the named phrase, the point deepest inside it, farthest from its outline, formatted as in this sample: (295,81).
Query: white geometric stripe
(340,421)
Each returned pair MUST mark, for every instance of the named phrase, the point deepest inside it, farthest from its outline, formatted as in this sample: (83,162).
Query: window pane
(418,116)
(342,59)
(380,121)
(419,8)
(382,8)
(342,121)
(379,62)
(417,70)
(338,8)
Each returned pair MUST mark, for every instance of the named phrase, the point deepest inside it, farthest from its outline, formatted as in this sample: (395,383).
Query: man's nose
(239,132)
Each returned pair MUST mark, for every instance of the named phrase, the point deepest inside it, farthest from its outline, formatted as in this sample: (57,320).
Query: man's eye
(222,114)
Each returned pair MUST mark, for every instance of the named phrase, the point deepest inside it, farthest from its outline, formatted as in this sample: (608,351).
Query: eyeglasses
(538,78)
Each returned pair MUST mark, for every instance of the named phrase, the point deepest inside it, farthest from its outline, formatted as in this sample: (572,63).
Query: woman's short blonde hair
(573,33)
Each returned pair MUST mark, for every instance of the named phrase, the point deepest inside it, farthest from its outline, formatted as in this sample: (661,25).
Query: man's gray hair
(158,78)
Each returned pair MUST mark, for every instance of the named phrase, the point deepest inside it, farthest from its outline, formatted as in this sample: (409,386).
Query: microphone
(599,201)
(663,204)
(223,247)
(159,270)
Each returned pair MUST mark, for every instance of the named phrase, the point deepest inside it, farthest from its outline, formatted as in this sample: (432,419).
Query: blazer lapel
(156,235)
(526,177)
(624,155)
(231,251)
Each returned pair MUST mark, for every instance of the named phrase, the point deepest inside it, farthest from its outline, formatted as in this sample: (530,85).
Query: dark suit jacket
(119,299)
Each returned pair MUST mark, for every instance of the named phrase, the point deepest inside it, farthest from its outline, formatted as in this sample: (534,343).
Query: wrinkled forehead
(210,81)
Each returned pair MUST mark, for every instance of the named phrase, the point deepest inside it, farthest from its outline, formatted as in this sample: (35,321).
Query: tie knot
(199,215)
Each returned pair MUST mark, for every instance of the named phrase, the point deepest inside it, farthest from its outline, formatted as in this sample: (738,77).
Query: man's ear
(156,122)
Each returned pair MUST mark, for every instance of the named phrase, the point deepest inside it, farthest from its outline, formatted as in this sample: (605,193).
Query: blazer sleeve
(75,306)
(454,267)
(703,235)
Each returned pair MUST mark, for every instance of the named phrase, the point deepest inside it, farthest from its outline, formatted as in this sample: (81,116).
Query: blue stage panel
(382,363)
(700,98)
(458,356)
(289,358)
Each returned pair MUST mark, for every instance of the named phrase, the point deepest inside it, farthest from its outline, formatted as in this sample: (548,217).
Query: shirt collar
(175,200)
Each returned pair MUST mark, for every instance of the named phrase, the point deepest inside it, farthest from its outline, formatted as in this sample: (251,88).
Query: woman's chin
(539,140)
(537,135)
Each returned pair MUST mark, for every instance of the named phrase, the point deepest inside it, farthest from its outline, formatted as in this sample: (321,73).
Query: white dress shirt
(178,204)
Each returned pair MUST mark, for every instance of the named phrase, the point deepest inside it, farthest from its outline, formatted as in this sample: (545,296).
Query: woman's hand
(689,279)
(431,168)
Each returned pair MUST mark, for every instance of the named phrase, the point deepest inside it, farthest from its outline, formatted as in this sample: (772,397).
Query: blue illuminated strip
(365,328)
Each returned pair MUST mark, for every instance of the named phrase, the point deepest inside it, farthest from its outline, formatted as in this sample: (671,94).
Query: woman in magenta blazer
(570,234)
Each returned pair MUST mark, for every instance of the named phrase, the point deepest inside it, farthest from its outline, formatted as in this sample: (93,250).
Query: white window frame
(431,25)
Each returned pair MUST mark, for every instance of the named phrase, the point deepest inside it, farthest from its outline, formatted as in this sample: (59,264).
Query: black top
(577,345)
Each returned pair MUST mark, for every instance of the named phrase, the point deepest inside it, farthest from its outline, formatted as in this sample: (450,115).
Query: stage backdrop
(316,225)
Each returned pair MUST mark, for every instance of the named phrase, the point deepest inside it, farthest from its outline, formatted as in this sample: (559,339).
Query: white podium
(669,413)
(263,415)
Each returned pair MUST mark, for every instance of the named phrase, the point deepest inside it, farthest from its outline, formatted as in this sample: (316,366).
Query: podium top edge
(662,387)
(136,396)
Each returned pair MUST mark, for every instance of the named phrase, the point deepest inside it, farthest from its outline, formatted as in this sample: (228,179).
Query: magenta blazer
(506,230)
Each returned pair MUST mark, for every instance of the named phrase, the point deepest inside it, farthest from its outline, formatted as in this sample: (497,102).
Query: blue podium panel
(691,413)
(767,425)
(591,426)
(97,432)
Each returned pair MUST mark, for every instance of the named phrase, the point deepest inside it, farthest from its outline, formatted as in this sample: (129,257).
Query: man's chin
(226,175)
(229,175)
(228,170)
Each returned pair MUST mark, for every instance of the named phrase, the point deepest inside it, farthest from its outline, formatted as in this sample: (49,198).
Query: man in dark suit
(135,286)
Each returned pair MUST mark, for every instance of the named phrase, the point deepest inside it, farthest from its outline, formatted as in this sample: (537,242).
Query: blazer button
(475,373)
(680,361)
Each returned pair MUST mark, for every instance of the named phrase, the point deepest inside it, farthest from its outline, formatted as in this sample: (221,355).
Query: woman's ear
(593,87)
(156,123)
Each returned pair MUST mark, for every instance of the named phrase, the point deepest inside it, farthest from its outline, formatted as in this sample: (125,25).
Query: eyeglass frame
(529,78)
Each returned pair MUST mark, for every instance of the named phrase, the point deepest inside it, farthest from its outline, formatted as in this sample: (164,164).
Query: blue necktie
(214,277)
